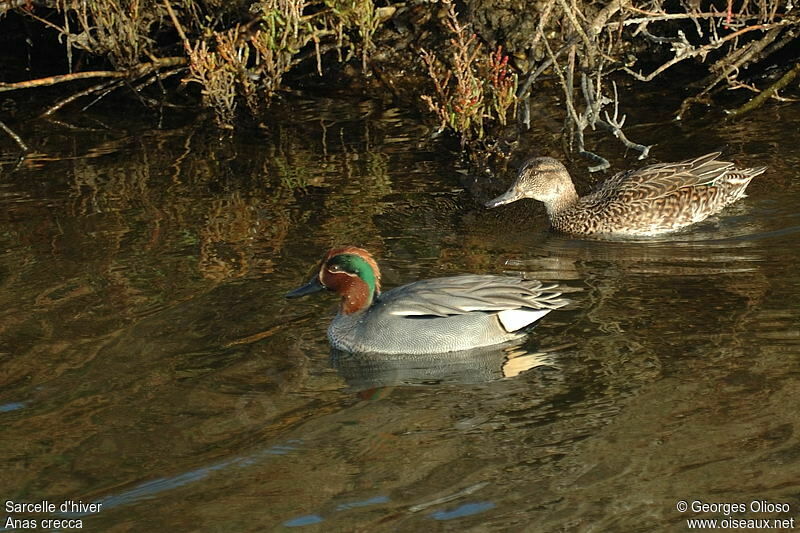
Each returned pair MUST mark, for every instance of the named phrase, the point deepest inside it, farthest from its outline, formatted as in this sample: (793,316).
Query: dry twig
(764,95)
(683,53)
(17,139)
(134,73)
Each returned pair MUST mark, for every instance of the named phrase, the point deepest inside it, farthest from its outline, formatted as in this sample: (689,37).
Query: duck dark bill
(511,195)
(309,288)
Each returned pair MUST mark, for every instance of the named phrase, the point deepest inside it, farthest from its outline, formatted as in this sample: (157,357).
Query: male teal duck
(429,316)
(648,201)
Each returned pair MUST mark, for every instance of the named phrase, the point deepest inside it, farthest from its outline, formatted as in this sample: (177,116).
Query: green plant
(250,63)
(471,87)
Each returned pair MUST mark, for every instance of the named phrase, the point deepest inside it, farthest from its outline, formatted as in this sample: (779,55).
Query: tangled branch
(591,48)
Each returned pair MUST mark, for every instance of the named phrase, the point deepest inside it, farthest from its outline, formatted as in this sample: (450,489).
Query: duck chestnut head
(350,272)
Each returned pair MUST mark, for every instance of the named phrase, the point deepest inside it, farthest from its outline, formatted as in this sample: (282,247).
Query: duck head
(350,272)
(541,178)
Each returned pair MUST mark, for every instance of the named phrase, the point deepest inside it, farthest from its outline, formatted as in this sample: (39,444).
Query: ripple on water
(149,362)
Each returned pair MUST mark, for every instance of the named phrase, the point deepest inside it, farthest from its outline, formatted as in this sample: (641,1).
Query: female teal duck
(650,200)
(429,316)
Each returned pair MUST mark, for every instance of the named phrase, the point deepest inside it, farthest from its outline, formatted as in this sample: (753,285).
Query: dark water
(149,363)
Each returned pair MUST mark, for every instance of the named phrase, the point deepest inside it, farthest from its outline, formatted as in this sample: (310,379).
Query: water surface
(149,362)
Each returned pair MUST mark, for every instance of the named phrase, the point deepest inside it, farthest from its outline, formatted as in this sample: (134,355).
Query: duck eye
(334,268)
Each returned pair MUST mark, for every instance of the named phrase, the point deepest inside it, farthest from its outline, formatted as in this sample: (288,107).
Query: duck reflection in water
(365,371)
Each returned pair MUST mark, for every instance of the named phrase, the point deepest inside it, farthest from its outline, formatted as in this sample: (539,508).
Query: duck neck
(357,295)
(566,198)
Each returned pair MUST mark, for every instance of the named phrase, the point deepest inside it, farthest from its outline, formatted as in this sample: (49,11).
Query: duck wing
(460,295)
(656,181)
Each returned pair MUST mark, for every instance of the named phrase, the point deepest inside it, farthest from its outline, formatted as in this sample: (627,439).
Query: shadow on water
(149,362)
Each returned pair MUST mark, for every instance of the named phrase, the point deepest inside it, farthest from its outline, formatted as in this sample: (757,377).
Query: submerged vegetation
(474,66)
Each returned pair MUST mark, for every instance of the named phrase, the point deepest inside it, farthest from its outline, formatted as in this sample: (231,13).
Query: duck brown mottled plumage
(647,201)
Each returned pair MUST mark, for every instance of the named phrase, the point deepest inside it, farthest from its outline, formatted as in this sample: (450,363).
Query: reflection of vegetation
(352,213)
(240,229)
(163,197)
(291,174)
(230,238)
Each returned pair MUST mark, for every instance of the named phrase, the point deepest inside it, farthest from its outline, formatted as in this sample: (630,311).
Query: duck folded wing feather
(664,179)
(489,295)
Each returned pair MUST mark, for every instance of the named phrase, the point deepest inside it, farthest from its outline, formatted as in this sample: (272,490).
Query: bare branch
(186,46)
(17,139)
(702,51)
(137,72)
(764,95)
(80,94)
